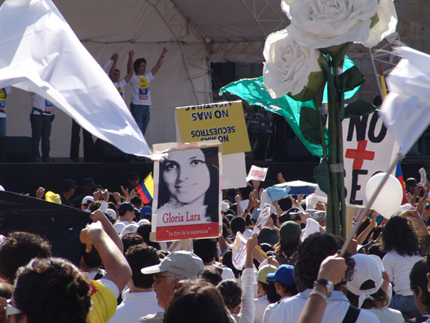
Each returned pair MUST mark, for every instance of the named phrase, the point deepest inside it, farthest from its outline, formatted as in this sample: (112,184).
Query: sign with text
(257,174)
(239,251)
(187,191)
(368,148)
(222,121)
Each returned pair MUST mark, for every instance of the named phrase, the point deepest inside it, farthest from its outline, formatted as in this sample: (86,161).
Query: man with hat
(179,265)
(126,213)
(86,184)
(67,191)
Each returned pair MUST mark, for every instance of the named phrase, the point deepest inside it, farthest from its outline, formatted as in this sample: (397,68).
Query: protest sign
(187,192)
(368,149)
(239,251)
(262,218)
(257,173)
(222,121)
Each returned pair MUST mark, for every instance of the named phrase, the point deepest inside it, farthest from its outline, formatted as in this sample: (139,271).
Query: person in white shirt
(141,92)
(312,252)
(3,94)
(114,73)
(141,299)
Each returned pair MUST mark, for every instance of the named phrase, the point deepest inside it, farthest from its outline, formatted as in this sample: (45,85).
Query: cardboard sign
(187,191)
(368,148)
(257,173)
(223,121)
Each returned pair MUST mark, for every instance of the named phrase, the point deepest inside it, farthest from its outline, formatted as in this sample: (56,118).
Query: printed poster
(257,174)
(187,191)
(368,148)
(224,121)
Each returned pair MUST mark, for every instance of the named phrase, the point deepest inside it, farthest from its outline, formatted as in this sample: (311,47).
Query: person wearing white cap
(366,290)
(85,202)
(178,265)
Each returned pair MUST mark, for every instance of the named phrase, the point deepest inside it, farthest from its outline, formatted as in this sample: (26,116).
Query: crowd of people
(293,271)
(41,116)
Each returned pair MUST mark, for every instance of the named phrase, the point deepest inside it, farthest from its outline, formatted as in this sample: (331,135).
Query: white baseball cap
(180,262)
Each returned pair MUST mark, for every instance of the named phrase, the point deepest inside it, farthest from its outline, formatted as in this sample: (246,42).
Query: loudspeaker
(105,152)
(15,149)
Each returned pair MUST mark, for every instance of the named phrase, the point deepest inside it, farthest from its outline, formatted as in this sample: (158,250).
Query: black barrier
(59,224)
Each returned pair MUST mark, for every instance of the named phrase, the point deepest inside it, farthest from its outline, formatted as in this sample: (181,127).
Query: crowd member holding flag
(141,92)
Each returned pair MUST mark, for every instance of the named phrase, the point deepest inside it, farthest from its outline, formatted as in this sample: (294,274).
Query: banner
(223,121)
(257,173)
(187,191)
(60,224)
(368,148)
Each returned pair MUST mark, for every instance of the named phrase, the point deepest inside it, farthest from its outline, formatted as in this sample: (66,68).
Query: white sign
(257,173)
(368,148)
(262,218)
(239,251)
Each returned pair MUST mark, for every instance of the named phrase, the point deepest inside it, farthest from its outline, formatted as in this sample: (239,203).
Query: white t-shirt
(270,308)
(41,103)
(136,305)
(289,310)
(120,87)
(140,90)
(3,93)
(387,315)
(261,304)
(398,269)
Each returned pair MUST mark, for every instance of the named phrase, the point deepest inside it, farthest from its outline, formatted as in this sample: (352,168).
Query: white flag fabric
(406,109)
(40,53)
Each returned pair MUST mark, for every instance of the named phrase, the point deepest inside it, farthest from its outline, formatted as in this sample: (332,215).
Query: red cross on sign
(359,154)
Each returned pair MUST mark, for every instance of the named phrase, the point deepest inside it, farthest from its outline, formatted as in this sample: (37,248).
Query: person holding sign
(140,90)
(189,186)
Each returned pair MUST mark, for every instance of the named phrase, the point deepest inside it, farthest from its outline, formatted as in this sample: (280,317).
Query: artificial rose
(386,25)
(288,65)
(326,23)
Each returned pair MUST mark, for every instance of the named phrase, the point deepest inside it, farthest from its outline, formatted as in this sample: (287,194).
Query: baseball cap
(180,262)
(284,274)
(126,206)
(263,271)
(119,226)
(111,213)
(146,212)
(256,214)
(129,228)
(268,235)
(68,184)
(289,231)
(133,175)
(88,182)
(367,267)
(87,199)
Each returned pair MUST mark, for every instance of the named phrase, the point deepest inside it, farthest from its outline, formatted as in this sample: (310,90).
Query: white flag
(40,53)
(406,109)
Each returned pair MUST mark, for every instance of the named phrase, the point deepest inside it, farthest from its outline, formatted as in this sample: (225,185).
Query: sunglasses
(10,309)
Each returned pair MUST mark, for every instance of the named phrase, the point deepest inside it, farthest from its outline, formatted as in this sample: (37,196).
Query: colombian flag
(399,176)
(146,189)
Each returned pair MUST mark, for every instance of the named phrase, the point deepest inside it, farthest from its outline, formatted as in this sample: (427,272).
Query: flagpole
(369,204)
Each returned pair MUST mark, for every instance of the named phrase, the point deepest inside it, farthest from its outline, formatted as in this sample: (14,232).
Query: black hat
(88,182)
(126,206)
(68,184)
(133,175)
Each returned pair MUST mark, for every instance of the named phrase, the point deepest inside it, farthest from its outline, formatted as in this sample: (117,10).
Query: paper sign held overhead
(257,173)
(223,121)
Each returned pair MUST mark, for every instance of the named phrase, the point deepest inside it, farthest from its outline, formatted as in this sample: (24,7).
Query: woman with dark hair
(419,286)
(49,290)
(367,289)
(188,182)
(401,244)
(197,301)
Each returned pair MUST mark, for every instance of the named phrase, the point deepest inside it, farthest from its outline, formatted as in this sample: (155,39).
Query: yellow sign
(224,121)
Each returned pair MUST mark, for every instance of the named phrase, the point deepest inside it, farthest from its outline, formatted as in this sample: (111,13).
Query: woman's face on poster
(186,175)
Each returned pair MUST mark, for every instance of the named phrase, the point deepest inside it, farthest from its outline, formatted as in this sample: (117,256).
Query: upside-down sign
(368,149)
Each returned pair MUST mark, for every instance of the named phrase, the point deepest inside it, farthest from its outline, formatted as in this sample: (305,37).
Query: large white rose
(288,65)
(325,23)
(385,26)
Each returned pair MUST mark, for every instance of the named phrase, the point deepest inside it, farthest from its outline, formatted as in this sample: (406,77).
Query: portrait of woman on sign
(189,187)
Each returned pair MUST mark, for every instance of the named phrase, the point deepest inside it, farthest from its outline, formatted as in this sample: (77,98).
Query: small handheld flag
(146,189)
